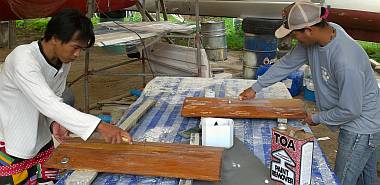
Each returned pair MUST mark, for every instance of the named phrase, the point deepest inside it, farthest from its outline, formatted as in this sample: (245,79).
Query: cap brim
(282,32)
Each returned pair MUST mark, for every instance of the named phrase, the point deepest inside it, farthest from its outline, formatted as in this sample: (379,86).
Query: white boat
(360,18)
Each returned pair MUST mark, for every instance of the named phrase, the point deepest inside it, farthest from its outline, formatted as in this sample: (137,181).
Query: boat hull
(27,9)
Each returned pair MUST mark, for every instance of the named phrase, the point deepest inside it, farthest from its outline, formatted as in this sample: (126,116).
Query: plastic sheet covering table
(163,123)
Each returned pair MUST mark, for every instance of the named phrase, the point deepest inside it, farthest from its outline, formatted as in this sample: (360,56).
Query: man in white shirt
(31,84)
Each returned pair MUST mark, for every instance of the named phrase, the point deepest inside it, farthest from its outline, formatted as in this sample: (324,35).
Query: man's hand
(247,94)
(60,133)
(308,120)
(112,134)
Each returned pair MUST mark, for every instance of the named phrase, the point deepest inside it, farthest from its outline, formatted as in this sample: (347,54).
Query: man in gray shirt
(347,93)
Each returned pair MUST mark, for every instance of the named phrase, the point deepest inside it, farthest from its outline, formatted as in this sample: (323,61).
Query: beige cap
(298,15)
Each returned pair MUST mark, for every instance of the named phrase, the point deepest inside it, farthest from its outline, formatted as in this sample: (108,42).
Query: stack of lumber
(375,65)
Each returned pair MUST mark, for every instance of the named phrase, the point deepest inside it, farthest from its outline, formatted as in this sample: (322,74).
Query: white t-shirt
(30,91)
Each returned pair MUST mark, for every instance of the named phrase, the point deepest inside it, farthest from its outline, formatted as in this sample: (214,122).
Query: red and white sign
(292,156)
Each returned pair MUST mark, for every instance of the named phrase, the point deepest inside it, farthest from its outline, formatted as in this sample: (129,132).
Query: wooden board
(375,65)
(137,114)
(150,159)
(232,108)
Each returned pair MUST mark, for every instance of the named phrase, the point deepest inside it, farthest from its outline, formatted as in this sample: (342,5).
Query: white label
(307,158)
(279,170)
(217,132)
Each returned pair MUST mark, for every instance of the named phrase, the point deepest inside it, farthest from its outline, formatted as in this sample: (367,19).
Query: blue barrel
(296,78)
(264,46)
(257,50)
(308,94)
(262,69)
(294,81)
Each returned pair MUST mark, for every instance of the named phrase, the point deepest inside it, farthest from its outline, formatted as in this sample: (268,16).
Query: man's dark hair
(66,23)
(321,24)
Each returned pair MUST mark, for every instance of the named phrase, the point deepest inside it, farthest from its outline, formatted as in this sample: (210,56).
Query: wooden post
(90,12)
(143,67)
(4,34)
(144,13)
(198,39)
(157,10)
(163,8)
(12,34)
(143,9)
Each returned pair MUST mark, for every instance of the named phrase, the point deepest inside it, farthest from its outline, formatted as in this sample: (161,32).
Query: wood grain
(150,159)
(232,108)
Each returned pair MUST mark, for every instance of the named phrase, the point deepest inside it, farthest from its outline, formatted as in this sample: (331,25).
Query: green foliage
(95,20)
(20,23)
(38,25)
(135,17)
(372,49)
(173,19)
(234,33)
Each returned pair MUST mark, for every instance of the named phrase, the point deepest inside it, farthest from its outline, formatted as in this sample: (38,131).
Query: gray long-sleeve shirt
(346,90)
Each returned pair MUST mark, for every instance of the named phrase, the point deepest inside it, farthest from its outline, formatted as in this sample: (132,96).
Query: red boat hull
(360,25)
(28,9)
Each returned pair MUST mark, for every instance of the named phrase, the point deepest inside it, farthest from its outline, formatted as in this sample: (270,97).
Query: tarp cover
(35,8)
(26,9)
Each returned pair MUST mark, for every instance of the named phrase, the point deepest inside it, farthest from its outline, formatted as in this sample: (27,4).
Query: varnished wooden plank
(232,108)
(150,159)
